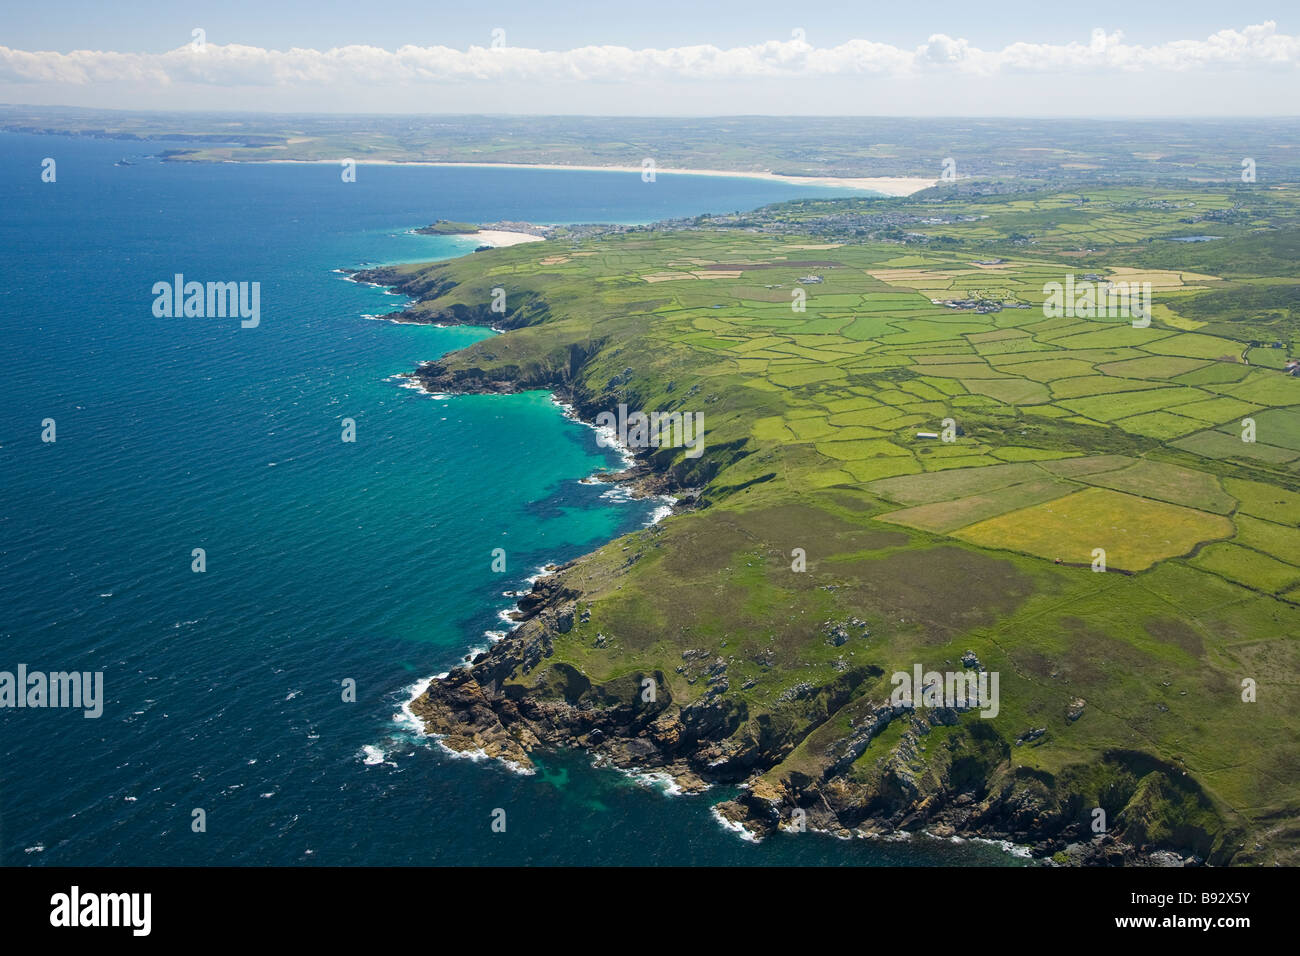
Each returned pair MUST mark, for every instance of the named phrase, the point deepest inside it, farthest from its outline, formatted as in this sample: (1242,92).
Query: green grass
(1279,426)
(1266,501)
(1077,434)
(1218,445)
(1275,540)
(1180,486)
(1248,567)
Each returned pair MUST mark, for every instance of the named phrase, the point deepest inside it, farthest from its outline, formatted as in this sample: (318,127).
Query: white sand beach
(885,185)
(497,238)
(888,185)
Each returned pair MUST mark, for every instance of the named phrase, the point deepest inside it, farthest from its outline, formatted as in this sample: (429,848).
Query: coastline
(467,713)
(509,702)
(892,186)
(631,482)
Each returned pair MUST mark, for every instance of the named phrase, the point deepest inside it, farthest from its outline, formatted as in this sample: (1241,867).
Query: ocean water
(326,561)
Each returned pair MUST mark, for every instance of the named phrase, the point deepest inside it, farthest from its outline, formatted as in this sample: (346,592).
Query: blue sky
(999,57)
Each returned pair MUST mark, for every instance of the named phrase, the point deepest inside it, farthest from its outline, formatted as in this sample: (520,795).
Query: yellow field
(1135,532)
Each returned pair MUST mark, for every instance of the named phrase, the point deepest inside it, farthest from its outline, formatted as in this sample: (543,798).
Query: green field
(1075,434)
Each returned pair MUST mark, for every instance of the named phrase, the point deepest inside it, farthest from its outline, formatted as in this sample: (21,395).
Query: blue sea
(326,561)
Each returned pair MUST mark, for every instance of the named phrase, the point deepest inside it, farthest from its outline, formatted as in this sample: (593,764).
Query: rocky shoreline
(644,477)
(481,707)
(512,700)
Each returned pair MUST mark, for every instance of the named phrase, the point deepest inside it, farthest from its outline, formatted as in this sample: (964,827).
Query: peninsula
(913,465)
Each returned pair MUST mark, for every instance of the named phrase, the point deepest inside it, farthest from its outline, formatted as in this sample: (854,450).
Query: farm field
(951,457)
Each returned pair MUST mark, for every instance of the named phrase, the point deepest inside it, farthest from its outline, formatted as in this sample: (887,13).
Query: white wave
(658,780)
(537,575)
(1006,846)
(617,493)
(894,836)
(478,755)
(408,382)
(407,718)
(662,512)
(734,827)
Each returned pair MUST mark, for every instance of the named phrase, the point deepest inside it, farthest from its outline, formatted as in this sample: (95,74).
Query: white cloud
(1254,47)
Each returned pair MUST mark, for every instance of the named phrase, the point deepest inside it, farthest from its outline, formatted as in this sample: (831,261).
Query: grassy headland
(1120,690)
(446,227)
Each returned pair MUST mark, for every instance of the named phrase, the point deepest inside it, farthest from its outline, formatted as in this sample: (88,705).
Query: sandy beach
(889,185)
(496,238)
(886,185)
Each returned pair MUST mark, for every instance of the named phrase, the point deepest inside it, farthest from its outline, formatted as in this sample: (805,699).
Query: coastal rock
(457,710)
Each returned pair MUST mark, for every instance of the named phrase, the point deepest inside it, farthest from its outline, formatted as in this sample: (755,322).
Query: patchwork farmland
(1110,518)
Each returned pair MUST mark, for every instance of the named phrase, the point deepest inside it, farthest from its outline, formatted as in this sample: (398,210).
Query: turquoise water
(326,560)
